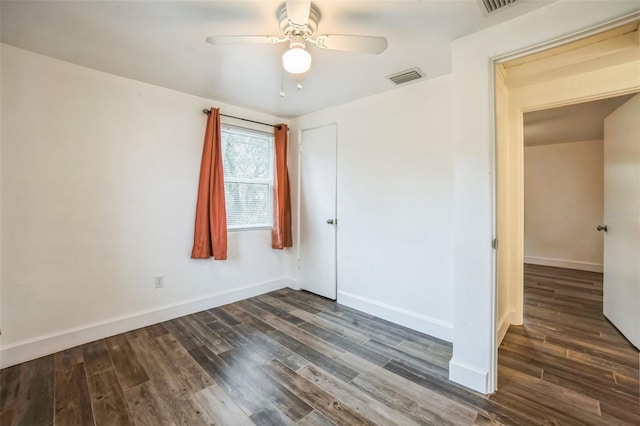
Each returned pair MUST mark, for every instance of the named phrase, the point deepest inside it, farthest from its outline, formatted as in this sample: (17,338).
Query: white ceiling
(572,123)
(162,43)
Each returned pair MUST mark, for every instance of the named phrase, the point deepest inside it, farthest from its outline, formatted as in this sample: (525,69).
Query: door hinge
(494,243)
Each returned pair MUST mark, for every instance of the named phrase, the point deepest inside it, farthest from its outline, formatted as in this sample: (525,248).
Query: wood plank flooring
(567,364)
(290,357)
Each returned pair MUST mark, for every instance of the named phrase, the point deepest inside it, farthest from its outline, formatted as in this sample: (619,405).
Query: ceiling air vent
(406,76)
(493,5)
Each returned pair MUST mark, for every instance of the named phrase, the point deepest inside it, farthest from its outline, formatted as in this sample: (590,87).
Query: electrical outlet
(159,281)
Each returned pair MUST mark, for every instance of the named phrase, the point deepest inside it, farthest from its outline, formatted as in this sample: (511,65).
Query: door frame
(299,196)
(513,239)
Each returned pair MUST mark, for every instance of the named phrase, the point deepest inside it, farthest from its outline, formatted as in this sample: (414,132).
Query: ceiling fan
(298,21)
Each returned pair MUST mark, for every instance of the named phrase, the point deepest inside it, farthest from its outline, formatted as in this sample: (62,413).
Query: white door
(318,211)
(622,218)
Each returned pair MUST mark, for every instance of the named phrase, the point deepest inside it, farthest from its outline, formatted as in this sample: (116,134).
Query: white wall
(563,204)
(99,179)
(473,362)
(394,204)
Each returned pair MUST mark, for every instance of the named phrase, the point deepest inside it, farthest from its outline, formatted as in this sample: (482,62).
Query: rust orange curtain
(210,235)
(281,232)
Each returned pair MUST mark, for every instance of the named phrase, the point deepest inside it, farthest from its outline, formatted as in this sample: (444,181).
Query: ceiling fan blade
(298,11)
(243,39)
(353,43)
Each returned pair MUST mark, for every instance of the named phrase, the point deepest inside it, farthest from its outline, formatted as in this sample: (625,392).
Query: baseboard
(29,349)
(413,320)
(507,319)
(469,376)
(563,263)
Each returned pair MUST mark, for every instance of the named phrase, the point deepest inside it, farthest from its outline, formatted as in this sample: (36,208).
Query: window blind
(248,174)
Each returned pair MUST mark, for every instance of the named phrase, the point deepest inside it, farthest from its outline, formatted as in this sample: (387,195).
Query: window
(247,160)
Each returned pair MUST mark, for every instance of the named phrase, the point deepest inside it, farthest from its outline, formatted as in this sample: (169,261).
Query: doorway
(318,221)
(593,68)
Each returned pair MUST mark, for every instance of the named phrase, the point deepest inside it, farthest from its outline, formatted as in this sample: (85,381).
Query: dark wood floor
(293,358)
(567,364)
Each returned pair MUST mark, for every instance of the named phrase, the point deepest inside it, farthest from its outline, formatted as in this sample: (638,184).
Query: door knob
(330,221)
(602,228)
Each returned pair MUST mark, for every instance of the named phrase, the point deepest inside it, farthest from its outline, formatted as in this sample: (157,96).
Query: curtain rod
(277,126)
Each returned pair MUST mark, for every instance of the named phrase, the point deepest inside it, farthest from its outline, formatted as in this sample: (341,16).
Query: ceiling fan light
(296,60)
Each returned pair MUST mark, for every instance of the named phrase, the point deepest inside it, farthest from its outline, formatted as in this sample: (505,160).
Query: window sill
(250,228)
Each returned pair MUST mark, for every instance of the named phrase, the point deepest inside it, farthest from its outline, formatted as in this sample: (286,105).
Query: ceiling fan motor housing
(292,30)
(297,41)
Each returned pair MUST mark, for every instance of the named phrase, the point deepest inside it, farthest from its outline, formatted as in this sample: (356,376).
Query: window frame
(268,181)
